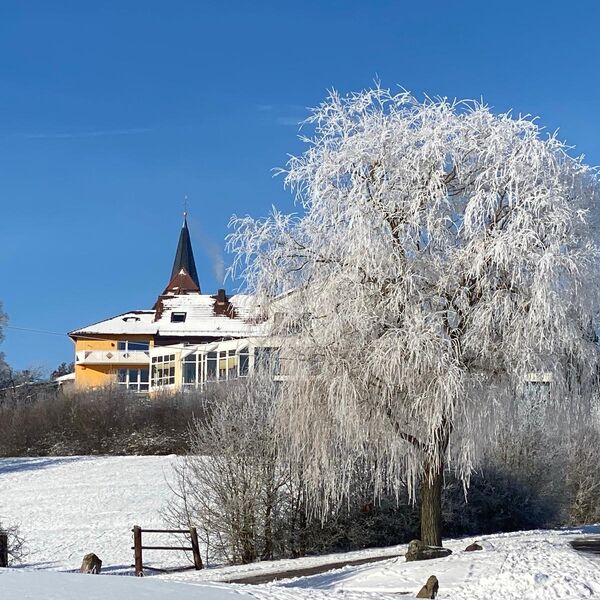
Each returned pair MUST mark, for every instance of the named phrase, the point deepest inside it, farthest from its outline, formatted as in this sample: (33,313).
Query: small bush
(16,543)
(583,478)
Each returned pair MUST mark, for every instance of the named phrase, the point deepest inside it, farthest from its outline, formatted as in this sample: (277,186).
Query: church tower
(184,257)
(184,276)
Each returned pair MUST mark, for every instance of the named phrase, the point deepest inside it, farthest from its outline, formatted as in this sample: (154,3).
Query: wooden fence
(3,550)
(138,547)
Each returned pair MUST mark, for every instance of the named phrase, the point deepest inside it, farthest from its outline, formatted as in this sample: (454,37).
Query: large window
(202,367)
(128,346)
(163,370)
(192,370)
(133,379)
(212,366)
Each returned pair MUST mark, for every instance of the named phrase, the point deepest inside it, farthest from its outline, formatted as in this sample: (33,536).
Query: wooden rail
(138,546)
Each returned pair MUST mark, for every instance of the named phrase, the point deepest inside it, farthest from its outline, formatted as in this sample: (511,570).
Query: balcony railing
(112,357)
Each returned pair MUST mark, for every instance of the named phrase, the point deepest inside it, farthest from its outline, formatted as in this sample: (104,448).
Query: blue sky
(111,112)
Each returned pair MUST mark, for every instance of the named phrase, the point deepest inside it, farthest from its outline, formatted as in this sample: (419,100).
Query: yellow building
(186,338)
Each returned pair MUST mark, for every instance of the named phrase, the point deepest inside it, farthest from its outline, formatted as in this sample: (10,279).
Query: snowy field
(74,505)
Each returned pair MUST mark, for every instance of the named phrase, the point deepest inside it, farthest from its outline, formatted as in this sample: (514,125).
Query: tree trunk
(431,506)
(433,479)
(267,550)
(431,488)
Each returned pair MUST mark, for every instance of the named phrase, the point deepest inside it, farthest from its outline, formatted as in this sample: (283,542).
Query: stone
(473,547)
(91,564)
(414,548)
(430,589)
(417,550)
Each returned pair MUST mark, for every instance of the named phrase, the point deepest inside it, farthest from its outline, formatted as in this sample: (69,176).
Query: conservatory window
(163,370)
(267,358)
(244,362)
(211,365)
(190,370)
(133,379)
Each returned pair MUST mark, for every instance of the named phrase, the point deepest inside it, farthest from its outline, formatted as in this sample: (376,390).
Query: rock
(91,564)
(417,550)
(430,589)
(414,548)
(473,547)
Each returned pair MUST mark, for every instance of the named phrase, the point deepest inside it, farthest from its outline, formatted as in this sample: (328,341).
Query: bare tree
(229,485)
(442,255)
(5,370)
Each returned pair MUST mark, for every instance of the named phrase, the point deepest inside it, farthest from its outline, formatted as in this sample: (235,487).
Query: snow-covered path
(537,565)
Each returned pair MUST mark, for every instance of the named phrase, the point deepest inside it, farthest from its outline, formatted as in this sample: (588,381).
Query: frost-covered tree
(442,255)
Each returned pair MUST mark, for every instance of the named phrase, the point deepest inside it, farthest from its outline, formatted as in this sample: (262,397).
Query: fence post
(3,549)
(195,549)
(137,550)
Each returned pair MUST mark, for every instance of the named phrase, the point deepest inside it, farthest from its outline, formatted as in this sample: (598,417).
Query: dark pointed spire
(184,257)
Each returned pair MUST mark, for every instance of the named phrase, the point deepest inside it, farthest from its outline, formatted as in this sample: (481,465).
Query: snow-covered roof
(65,378)
(244,305)
(201,319)
(136,322)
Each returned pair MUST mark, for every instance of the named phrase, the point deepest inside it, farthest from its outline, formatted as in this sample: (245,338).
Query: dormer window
(178,317)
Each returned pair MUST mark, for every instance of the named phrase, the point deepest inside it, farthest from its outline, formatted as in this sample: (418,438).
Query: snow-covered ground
(69,506)
(525,565)
(74,505)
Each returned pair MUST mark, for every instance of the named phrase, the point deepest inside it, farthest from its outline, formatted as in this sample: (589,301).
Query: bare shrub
(105,421)
(583,478)
(16,543)
(231,482)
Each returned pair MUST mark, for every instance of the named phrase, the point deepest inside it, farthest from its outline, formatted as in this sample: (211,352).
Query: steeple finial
(185,199)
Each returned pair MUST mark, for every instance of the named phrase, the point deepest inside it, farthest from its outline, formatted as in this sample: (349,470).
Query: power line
(34,330)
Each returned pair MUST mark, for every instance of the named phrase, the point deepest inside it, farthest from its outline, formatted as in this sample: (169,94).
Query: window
(133,379)
(163,370)
(223,365)
(178,317)
(190,370)
(211,366)
(267,358)
(128,346)
(244,362)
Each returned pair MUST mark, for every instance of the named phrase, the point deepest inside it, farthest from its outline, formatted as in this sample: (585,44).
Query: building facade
(185,340)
